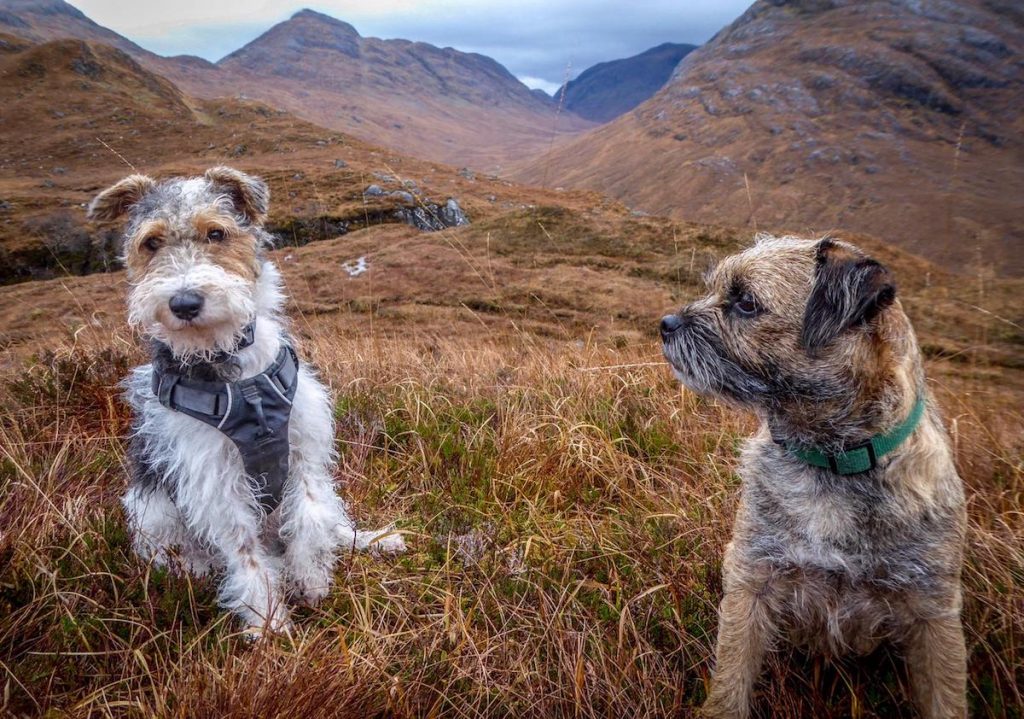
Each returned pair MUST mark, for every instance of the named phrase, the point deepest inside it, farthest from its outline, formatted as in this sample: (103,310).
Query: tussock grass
(566,509)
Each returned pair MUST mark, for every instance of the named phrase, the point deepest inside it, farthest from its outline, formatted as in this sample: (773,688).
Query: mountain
(42,20)
(895,118)
(542,96)
(603,92)
(436,103)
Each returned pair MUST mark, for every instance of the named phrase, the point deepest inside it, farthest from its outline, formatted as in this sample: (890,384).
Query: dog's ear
(117,199)
(849,290)
(250,195)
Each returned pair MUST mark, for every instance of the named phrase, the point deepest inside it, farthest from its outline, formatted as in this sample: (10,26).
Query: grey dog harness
(252,412)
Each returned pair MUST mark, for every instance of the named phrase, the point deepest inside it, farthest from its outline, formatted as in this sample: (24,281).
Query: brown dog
(851,523)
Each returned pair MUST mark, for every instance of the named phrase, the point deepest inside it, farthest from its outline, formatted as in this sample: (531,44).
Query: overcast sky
(539,41)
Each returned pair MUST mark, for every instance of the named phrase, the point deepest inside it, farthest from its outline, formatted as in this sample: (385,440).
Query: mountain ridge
(436,103)
(897,120)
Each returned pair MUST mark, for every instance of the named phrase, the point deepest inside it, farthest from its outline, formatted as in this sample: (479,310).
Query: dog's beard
(229,305)
(700,362)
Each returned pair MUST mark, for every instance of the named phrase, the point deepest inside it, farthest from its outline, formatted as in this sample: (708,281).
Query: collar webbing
(862,457)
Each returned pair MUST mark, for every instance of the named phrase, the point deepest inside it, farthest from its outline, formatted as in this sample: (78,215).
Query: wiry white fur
(214,520)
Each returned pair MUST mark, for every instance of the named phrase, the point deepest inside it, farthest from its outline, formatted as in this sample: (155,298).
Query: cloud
(544,40)
(536,83)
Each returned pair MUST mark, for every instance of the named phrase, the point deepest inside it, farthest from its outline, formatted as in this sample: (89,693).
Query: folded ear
(249,194)
(849,290)
(119,198)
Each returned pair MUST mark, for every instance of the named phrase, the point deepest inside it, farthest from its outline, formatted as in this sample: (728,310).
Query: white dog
(232,452)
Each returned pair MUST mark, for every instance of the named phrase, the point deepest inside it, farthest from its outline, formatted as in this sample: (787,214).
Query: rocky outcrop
(432,217)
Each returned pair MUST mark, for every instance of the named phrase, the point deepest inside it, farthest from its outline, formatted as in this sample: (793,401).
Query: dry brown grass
(565,507)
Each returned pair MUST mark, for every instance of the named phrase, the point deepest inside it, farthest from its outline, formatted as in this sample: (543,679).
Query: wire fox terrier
(232,451)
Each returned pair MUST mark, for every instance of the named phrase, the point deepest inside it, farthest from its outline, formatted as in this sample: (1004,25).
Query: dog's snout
(186,305)
(670,324)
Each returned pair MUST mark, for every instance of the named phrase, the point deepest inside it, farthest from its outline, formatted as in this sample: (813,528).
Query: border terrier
(851,521)
(232,450)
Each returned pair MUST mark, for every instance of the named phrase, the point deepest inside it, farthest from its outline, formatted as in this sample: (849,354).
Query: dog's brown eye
(746,305)
(215,235)
(152,243)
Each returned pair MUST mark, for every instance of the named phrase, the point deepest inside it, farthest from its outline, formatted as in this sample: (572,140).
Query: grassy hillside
(500,395)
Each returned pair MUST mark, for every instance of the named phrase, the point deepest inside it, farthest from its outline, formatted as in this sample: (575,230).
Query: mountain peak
(43,7)
(288,42)
(313,15)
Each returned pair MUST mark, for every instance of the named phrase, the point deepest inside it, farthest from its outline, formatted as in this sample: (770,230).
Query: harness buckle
(251,394)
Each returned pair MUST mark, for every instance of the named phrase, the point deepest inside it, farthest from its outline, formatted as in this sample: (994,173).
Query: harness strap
(253,413)
(178,394)
(212,399)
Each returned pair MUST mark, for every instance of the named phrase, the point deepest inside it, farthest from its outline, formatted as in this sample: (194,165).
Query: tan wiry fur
(837,564)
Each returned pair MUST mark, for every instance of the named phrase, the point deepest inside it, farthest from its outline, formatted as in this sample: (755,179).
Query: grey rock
(338,164)
(432,217)
(452,214)
(374,191)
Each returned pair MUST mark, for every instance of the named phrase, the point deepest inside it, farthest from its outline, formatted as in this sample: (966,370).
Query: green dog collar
(863,457)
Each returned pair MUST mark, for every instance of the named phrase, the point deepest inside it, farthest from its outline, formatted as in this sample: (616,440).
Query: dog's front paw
(723,705)
(311,592)
(257,633)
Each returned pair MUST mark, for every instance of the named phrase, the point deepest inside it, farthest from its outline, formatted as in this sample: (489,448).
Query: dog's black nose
(186,305)
(669,325)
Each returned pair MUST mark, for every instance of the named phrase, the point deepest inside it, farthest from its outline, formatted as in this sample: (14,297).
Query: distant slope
(436,103)
(42,20)
(609,89)
(899,119)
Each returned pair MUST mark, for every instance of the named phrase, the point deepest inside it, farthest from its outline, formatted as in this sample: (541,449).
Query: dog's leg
(314,522)
(744,630)
(155,524)
(311,511)
(158,533)
(252,585)
(937,663)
